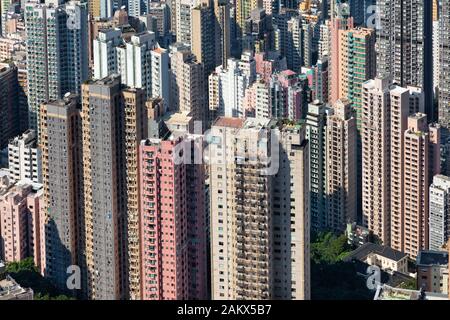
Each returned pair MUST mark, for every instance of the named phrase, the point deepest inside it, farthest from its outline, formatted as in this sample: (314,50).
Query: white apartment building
(24,157)
(439,212)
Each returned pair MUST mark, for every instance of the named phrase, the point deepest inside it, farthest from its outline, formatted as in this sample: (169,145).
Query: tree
(329,248)
(331,277)
(410,284)
(27,275)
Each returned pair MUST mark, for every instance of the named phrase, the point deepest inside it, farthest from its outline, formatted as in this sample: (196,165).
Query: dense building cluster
(189,149)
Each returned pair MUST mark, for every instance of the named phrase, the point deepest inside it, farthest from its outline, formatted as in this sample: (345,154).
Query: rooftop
(386,292)
(229,122)
(430,257)
(368,248)
(11,290)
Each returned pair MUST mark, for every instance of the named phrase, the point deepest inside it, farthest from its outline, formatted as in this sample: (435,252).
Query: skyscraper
(337,23)
(10,112)
(172,212)
(376,191)
(210,41)
(108,153)
(439,231)
(418,142)
(444,64)
(291,216)
(183,20)
(138,59)
(404,102)
(188,85)
(134,130)
(101,9)
(227,86)
(62,177)
(316,134)
(138,63)
(20,214)
(404,44)
(104,52)
(138,8)
(57,52)
(357,64)
(261,169)
(340,161)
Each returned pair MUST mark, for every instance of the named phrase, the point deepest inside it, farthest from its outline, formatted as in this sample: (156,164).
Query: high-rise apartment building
(439,231)
(316,134)
(444,64)
(375,137)
(138,62)
(134,129)
(24,158)
(357,64)
(104,52)
(173,236)
(160,75)
(257,193)
(9,108)
(160,13)
(340,161)
(227,86)
(404,44)
(20,222)
(400,155)
(4,7)
(138,8)
(188,85)
(404,102)
(101,9)
(257,100)
(291,216)
(243,8)
(104,188)
(114,122)
(62,177)
(210,41)
(420,141)
(339,22)
(183,20)
(57,52)
(290,95)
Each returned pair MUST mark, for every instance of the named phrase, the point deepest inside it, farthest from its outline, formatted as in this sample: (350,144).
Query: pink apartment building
(268,63)
(21,227)
(173,223)
(292,94)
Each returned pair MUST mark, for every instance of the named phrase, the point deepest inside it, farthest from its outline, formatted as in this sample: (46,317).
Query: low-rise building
(385,292)
(386,258)
(432,271)
(21,224)
(11,290)
(358,235)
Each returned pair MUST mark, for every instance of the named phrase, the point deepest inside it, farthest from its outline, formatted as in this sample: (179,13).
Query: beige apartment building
(188,85)
(340,185)
(259,210)
(420,140)
(404,101)
(375,140)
